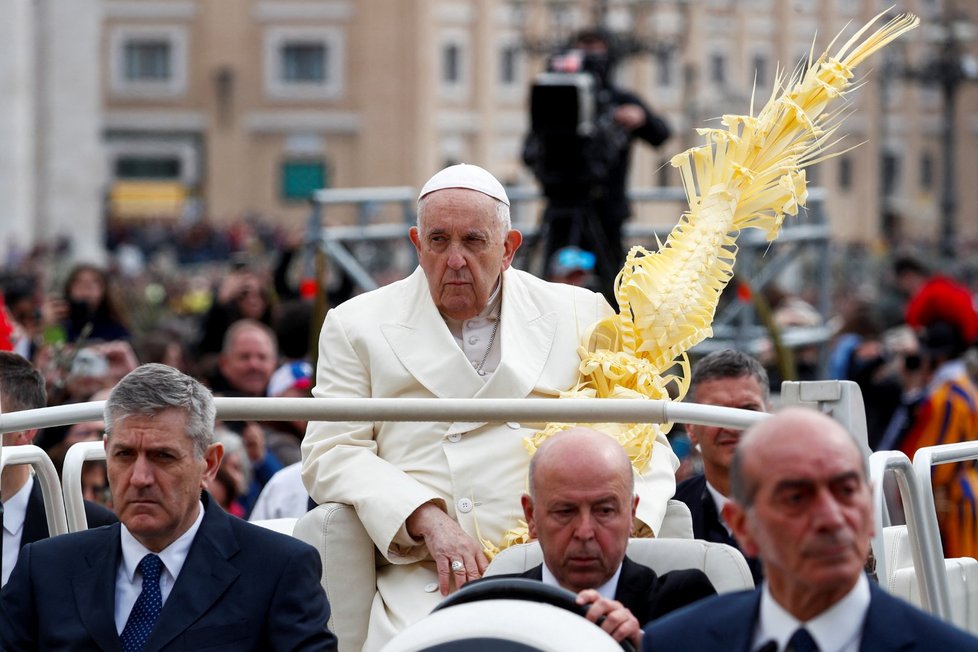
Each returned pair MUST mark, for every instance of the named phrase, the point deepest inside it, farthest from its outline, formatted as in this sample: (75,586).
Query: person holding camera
(584,175)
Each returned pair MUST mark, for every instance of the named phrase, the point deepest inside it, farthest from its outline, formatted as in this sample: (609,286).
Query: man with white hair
(463,325)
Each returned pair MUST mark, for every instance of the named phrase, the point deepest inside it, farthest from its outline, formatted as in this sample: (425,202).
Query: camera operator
(583,176)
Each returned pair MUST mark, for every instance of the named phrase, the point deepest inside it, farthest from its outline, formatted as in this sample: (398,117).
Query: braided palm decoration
(748,175)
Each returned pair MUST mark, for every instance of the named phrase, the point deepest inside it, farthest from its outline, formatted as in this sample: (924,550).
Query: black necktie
(801,641)
(148,606)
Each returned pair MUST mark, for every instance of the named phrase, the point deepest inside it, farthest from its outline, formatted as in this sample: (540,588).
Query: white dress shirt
(128,584)
(837,629)
(14,513)
(475,336)
(719,500)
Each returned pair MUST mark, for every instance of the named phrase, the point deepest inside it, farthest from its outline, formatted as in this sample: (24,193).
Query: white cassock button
(431,587)
(513,425)
(454,437)
(464,505)
(473,340)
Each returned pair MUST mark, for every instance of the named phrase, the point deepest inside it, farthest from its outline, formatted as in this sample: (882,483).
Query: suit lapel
(732,626)
(94,588)
(634,589)
(535,573)
(422,342)
(882,630)
(35,518)
(204,578)
(527,338)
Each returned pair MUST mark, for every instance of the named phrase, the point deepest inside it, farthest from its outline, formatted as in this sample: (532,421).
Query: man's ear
(212,460)
(691,432)
(513,241)
(528,514)
(736,517)
(415,236)
(634,505)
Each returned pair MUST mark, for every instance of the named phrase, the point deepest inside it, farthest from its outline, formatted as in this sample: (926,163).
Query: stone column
(70,170)
(16,125)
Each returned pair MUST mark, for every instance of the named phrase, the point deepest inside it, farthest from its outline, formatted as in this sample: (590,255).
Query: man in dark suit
(727,378)
(580,507)
(177,572)
(802,503)
(24,518)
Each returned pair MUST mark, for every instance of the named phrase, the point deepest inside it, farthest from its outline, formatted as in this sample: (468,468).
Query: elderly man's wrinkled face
(463,250)
(811,518)
(582,514)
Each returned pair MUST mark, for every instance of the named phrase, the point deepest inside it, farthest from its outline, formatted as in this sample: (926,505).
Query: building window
(891,172)
(509,65)
(927,171)
(300,179)
(664,175)
(453,50)
(718,69)
(760,70)
(148,62)
(845,173)
(451,64)
(664,62)
(147,167)
(304,63)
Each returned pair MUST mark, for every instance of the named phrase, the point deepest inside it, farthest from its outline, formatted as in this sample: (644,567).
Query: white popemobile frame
(840,399)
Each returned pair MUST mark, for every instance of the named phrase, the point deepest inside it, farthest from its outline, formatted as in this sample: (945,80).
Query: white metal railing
(47,475)
(928,560)
(71,481)
(923,460)
(423,409)
(925,538)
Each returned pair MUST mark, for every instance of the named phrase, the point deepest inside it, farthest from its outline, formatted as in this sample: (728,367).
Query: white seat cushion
(724,565)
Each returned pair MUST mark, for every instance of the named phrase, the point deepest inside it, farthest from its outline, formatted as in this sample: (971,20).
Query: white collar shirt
(719,500)
(14,515)
(837,629)
(128,584)
(607,590)
(479,337)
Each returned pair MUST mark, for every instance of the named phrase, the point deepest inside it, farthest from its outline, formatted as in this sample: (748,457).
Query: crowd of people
(792,493)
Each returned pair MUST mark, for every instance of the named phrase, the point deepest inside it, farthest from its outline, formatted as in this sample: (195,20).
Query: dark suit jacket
(241,588)
(706,521)
(36,522)
(648,595)
(726,623)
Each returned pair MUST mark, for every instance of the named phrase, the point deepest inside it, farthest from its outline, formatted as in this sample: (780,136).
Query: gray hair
(248,324)
(501,215)
(728,363)
(154,388)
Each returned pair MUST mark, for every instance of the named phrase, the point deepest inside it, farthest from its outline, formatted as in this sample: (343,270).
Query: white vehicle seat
(901,580)
(350,563)
(724,565)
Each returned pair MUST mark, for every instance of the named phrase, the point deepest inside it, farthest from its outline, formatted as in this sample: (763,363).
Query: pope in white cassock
(463,325)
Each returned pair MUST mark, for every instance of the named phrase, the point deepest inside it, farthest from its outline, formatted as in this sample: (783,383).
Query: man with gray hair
(727,378)
(177,572)
(802,503)
(465,324)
